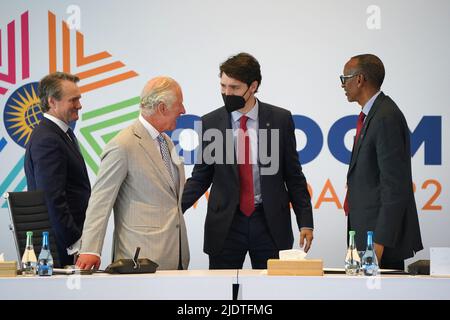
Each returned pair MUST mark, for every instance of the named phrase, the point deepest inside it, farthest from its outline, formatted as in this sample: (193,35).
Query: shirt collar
(252,114)
(150,129)
(369,104)
(61,124)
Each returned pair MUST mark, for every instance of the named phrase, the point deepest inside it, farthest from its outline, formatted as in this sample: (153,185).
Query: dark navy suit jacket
(54,164)
(380,188)
(286,185)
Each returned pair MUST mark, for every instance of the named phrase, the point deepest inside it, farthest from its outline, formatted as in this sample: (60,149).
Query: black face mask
(233,103)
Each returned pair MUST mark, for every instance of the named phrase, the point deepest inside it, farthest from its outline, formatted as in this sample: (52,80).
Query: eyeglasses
(345,78)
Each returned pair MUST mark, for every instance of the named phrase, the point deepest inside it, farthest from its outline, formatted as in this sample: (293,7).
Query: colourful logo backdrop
(21,112)
(302,48)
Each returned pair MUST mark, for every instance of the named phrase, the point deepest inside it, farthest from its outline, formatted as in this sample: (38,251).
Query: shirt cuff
(74,248)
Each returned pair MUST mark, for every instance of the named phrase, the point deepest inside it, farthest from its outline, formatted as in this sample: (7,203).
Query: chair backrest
(28,212)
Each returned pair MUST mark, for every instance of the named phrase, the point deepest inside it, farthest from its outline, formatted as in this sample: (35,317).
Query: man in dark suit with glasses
(380,194)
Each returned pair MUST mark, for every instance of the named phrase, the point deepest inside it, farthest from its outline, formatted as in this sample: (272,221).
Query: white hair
(157,90)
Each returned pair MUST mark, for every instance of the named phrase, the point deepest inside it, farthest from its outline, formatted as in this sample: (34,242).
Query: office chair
(28,212)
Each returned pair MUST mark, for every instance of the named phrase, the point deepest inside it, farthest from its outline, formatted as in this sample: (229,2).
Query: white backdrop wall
(301,46)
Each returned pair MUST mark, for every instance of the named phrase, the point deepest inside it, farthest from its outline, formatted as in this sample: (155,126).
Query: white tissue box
(292,254)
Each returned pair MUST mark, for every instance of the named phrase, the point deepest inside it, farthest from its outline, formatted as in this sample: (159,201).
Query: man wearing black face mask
(233,102)
(248,208)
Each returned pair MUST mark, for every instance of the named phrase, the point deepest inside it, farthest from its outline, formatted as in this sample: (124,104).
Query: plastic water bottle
(45,265)
(29,257)
(352,259)
(369,259)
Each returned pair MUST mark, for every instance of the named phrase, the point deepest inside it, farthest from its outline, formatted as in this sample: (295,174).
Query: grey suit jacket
(379,180)
(134,182)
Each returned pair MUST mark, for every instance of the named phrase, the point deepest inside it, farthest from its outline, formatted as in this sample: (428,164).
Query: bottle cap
(45,233)
(351,233)
(370,233)
(29,233)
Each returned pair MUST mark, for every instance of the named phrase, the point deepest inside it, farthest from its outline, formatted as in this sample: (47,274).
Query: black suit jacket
(54,164)
(379,180)
(287,184)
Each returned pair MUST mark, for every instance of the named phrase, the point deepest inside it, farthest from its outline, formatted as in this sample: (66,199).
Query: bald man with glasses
(380,194)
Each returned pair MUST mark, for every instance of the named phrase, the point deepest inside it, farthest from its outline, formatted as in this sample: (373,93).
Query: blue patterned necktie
(165,155)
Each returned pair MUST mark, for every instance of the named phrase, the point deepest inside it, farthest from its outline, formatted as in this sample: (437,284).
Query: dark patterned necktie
(73,139)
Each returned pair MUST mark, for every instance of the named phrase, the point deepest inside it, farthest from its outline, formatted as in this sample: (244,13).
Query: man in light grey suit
(143,182)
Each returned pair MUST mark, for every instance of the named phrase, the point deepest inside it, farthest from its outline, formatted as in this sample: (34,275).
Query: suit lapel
(264,123)
(54,127)
(223,125)
(364,129)
(152,152)
(178,164)
(175,161)
(73,147)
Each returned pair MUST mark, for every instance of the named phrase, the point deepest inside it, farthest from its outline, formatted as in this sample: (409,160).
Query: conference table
(218,285)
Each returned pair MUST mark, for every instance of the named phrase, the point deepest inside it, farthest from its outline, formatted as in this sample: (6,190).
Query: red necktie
(359,125)
(246,194)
